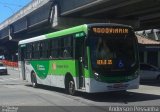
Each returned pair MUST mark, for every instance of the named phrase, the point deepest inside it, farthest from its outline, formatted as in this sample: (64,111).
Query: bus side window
(44,49)
(21,51)
(54,48)
(28,51)
(61,48)
(36,51)
(68,47)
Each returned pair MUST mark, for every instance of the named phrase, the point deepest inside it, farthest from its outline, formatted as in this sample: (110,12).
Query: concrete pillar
(145,56)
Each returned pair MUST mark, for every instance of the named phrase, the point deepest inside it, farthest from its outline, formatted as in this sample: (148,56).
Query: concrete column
(145,56)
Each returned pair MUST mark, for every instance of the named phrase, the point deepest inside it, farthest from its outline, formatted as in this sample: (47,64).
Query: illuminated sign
(104,62)
(110,30)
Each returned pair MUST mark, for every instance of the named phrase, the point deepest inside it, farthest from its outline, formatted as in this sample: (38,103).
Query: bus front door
(22,62)
(79,56)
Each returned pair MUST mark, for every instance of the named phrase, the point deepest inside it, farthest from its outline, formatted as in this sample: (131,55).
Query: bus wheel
(70,87)
(34,80)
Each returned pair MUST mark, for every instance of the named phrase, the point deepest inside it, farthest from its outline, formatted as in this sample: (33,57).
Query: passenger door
(79,54)
(22,62)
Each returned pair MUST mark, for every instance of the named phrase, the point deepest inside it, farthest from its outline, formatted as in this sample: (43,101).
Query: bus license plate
(119,85)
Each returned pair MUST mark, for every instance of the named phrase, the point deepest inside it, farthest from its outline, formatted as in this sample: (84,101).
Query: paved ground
(16,92)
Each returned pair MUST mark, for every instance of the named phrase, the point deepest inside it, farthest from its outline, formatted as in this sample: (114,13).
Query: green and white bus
(91,58)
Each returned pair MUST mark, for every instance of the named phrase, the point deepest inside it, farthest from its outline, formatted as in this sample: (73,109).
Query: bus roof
(56,34)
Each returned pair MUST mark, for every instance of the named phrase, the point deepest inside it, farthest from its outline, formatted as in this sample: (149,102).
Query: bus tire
(34,80)
(70,86)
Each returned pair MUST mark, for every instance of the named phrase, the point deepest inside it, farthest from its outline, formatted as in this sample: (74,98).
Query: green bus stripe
(67,31)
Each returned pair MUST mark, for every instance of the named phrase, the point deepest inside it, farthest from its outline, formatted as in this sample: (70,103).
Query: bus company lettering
(111,30)
(40,67)
(62,66)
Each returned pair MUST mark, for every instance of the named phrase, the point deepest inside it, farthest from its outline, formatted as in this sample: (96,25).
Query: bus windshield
(113,53)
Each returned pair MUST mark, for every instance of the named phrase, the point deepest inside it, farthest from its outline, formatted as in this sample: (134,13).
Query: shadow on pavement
(49,88)
(120,97)
(114,97)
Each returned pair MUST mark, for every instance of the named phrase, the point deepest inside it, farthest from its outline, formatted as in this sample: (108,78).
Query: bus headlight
(96,75)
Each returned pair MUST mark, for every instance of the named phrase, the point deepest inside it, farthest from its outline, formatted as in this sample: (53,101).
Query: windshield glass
(112,53)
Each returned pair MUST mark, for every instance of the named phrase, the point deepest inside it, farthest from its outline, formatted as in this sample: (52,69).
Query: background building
(149,50)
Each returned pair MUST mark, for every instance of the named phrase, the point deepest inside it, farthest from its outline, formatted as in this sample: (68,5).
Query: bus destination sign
(110,30)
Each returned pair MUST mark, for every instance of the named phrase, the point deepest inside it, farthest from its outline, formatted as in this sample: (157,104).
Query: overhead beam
(138,12)
(122,4)
(83,7)
(149,16)
(78,21)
